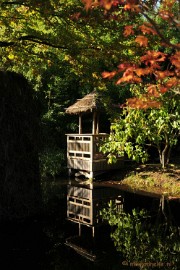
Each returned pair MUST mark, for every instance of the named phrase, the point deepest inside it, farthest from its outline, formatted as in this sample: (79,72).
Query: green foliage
(57,93)
(141,241)
(62,50)
(59,30)
(52,162)
(137,129)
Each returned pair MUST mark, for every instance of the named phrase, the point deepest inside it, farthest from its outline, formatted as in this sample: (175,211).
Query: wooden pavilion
(83,153)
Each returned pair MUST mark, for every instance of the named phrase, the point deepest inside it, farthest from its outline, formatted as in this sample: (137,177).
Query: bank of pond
(90,226)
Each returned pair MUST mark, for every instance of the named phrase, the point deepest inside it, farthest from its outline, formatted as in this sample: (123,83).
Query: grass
(152,178)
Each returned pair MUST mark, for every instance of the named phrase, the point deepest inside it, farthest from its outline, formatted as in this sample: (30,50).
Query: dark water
(27,246)
(39,243)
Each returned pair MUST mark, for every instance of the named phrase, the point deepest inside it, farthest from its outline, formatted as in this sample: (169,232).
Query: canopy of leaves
(37,38)
(62,49)
(158,36)
(137,130)
(36,35)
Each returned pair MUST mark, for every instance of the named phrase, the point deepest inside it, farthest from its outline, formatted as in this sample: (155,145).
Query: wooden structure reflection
(84,203)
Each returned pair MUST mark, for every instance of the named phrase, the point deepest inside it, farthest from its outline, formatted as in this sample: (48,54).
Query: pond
(56,241)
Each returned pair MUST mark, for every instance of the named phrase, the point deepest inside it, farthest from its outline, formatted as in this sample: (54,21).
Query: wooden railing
(84,157)
(85,146)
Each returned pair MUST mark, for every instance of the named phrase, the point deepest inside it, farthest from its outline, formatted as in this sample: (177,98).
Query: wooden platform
(84,157)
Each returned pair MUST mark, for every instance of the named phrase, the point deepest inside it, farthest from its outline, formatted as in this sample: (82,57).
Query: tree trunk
(164,155)
(20,194)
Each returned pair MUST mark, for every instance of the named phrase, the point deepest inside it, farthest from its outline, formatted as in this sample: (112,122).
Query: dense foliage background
(63,48)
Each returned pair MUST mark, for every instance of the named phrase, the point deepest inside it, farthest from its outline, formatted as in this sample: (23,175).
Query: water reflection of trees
(144,241)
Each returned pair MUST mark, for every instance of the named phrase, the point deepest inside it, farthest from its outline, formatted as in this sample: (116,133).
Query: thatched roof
(89,103)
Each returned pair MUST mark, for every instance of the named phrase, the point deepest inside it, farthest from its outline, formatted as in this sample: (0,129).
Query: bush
(52,162)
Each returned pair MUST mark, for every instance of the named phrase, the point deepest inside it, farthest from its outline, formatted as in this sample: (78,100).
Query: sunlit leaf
(128,30)
(108,75)
(142,40)
(11,56)
(147,30)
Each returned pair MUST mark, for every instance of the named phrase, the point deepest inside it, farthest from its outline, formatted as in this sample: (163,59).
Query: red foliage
(143,103)
(142,40)
(128,30)
(147,29)
(109,75)
(153,62)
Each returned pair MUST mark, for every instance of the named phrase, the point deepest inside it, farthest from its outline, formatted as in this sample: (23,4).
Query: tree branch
(6,43)
(35,39)
(165,40)
(5,3)
(41,41)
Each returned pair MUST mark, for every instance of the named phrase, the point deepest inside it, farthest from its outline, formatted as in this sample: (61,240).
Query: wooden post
(80,123)
(97,124)
(93,231)
(69,172)
(91,157)
(94,123)
(79,229)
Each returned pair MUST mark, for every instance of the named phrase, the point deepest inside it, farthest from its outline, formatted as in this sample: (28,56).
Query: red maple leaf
(132,5)
(162,74)
(143,71)
(143,103)
(128,30)
(152,90)
(124,66)
(175,59)
(87,3)
(147,30)
(172,82)
(165,14)
(109,75)
(153,59)
(142,40)
(162,89)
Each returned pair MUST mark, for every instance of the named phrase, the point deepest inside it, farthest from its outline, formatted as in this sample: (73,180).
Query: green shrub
(52,162)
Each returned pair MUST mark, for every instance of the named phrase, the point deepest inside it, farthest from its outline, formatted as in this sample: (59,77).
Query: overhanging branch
(37,40)
(163,38)
(33,39)
(6,43)
(6,3)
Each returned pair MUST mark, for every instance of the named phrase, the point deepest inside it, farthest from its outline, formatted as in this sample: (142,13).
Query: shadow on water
(41,243)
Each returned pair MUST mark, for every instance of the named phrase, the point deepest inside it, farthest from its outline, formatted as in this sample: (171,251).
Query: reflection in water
(84,203)
(39,243)
(144,243)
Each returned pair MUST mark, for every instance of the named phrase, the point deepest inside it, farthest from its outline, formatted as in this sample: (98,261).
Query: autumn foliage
(156,70)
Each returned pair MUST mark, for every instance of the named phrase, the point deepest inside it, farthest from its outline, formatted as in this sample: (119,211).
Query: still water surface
(40,243)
